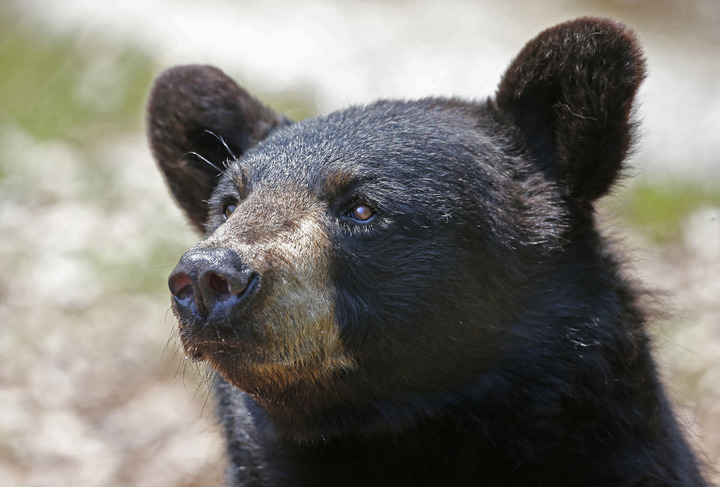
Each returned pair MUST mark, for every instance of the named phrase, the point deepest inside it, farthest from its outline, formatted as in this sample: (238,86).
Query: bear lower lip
(200,350)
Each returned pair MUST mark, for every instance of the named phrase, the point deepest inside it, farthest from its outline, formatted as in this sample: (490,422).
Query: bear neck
(490,433)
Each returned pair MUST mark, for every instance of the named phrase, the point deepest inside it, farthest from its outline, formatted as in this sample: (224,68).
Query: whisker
(210,378)
(205,161)
(220,138)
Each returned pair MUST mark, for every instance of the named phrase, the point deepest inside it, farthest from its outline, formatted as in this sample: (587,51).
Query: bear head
(398,250)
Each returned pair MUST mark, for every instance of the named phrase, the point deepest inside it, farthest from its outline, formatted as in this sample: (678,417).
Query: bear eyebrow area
(339,188)
(338,184)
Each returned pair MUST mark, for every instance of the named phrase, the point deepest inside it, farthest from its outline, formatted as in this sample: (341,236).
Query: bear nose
(210,283)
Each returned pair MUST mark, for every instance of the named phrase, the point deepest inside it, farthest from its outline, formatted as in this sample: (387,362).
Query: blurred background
(93,387)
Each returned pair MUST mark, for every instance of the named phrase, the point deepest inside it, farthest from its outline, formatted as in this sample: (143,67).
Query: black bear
(415,292)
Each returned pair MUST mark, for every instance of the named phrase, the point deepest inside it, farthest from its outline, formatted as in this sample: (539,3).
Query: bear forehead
(430,138)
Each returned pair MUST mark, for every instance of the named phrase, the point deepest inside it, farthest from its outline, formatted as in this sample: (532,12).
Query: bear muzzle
(211,284)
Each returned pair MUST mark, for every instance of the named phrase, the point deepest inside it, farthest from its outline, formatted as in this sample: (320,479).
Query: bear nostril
(219,284)
(223,287)
(182,287)
(187,292)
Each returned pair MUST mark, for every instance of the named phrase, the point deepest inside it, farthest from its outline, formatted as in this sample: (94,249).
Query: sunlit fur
(476,330)
(283,237)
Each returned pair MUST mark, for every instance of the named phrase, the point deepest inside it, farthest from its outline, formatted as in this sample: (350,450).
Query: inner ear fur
(197,109)
(570,92)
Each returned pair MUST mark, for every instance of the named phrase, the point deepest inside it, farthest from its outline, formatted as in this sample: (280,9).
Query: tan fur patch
(282,235)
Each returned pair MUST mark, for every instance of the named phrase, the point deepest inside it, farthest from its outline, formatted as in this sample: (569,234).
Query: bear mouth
(231,339)
(220,350)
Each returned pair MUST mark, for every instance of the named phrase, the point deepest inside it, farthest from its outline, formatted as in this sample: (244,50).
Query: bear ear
(570,92)
(195,113)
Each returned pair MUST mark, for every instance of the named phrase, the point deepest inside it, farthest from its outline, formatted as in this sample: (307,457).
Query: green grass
(68,87)
(659,210)
(78,88)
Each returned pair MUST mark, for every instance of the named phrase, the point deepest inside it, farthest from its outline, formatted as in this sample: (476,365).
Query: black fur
(493,339)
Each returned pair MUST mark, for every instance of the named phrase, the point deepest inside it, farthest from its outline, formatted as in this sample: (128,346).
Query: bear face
(367,271)
(342,300)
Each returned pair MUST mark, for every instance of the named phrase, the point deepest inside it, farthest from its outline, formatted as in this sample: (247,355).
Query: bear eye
(361,213)
(228,210)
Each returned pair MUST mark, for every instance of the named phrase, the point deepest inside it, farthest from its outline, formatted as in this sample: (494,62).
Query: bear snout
(211,284)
